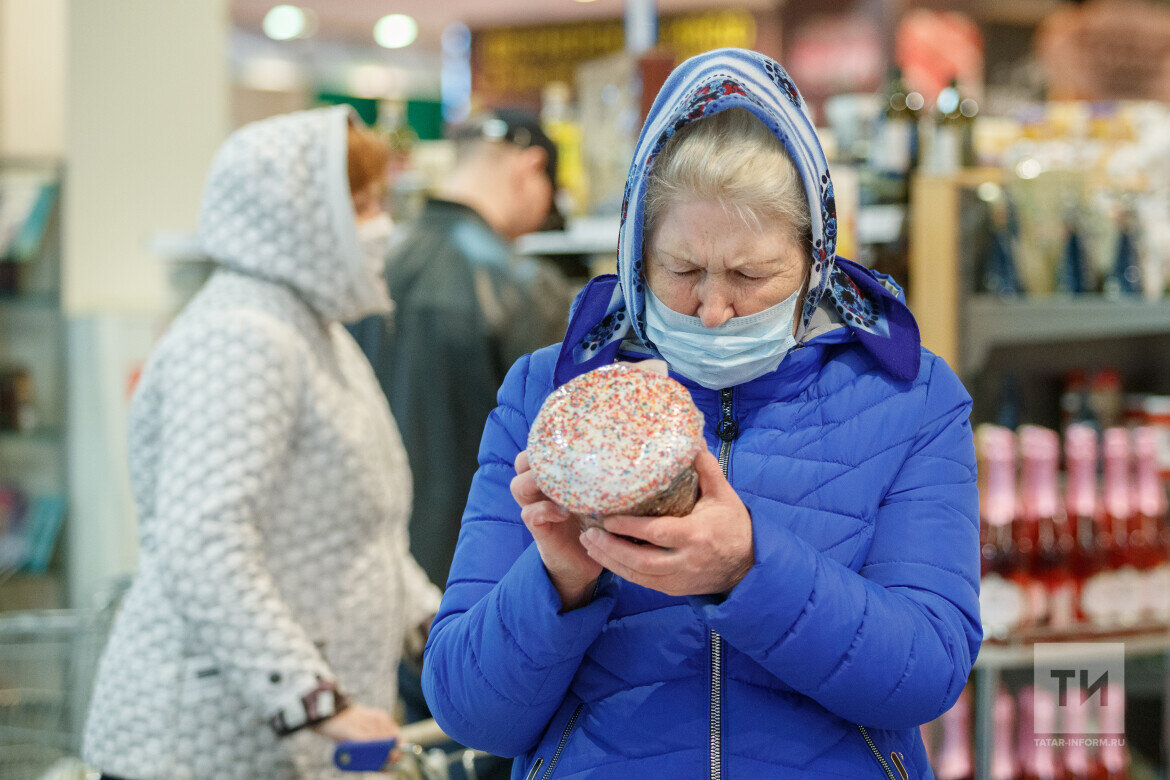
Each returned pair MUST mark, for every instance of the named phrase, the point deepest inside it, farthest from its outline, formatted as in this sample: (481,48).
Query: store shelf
(584,236)
(1019,655)
(992,321)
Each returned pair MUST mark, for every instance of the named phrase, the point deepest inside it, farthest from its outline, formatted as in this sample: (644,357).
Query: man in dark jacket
(466,307)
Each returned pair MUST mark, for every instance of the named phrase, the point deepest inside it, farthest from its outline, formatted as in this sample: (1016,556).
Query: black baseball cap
(522,128)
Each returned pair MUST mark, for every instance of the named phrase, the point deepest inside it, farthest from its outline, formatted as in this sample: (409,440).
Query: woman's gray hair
(732,158)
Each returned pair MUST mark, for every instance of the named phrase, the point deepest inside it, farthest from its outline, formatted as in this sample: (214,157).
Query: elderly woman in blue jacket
(821,600)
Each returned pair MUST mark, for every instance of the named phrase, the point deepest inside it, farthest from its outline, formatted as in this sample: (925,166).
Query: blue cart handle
(363,756)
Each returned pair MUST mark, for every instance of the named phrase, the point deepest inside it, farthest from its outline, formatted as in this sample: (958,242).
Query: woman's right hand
(359,723)
(558,538)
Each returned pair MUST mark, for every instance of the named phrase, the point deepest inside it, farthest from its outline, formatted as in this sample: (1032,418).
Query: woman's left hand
(707,552)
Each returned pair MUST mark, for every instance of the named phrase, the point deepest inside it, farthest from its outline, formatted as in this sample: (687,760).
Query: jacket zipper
(560,747)
(727,431)
(876,753)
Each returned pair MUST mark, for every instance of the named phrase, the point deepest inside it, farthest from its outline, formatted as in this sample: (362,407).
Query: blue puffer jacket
(845,473)
(858,621)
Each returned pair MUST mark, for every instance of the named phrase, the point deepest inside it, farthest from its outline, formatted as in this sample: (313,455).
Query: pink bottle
(954,750)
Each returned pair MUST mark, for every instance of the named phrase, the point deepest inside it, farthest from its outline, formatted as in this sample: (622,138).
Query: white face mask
(374,241)
(738,351)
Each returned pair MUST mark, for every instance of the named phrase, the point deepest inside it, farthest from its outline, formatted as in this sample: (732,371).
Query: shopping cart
(47,663)
(424,755)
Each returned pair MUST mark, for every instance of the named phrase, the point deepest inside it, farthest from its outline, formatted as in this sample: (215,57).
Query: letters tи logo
(1083,684)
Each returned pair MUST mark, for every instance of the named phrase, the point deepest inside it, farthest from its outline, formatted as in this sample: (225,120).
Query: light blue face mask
(737,351)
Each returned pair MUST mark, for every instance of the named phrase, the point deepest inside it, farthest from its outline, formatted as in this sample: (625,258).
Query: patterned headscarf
(704,85)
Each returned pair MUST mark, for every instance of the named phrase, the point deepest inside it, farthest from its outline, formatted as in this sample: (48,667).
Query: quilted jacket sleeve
(501,654)
(891,646)
(229,410)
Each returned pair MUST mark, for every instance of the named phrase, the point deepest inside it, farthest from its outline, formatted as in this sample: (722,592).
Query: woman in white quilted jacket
(275,580)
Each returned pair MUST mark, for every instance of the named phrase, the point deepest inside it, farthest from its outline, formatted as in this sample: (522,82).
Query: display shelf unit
(584,236)
(996,659)
(963,327)
(33,334)
(998,656)
(1034,335)
(992,321)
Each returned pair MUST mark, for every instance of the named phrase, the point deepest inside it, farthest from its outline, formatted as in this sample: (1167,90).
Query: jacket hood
(277,206)
(870,304)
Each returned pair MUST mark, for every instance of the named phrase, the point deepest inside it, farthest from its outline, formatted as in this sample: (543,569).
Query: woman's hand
(709,551)
(557,534)
(359,723)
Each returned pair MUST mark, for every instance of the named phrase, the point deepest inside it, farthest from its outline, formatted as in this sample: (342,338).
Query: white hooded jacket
(271,483)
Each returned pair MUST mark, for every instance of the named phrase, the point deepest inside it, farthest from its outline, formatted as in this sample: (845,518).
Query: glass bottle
(1051,586)
(1128,595)
(1002,599)
(955,761)
(1153,557)
(1082,507)
(1114,758)
(1004,763)
(1037,725)
(1078,762)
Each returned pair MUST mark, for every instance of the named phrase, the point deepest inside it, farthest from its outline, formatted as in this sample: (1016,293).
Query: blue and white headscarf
(706,84)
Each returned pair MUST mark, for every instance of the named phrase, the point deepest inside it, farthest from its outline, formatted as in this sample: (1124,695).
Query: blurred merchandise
(1114,758)
(609,92)
(26,202)
(1104,50)
(1003,601)
(1126,600)
(1095,561)
(936,48)
(1004,762)
(1081,505)
(1105,398)
(1088,187)
(953,758)
(1000,275)
(949,143)
(29,529)
(1043,534)
(1008,405)
(17,412)
(1037,719)
(558,118)
(1153,557)
(1072,277)
(1035,737)
(883,229)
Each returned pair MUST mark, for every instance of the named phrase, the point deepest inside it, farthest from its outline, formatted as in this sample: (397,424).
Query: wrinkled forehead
(707,234)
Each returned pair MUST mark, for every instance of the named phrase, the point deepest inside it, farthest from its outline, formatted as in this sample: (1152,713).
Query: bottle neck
(1000,506)
(1081,491)
(1039,489)
(1117,492)
(1151,493)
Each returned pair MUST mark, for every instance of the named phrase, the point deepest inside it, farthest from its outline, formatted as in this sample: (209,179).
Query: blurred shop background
(1007,161)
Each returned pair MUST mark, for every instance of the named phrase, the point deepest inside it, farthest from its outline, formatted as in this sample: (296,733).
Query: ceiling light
(284,22)
(395,31)
(1029,168)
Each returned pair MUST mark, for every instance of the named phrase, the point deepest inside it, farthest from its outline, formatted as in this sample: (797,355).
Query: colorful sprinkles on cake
(613,437)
